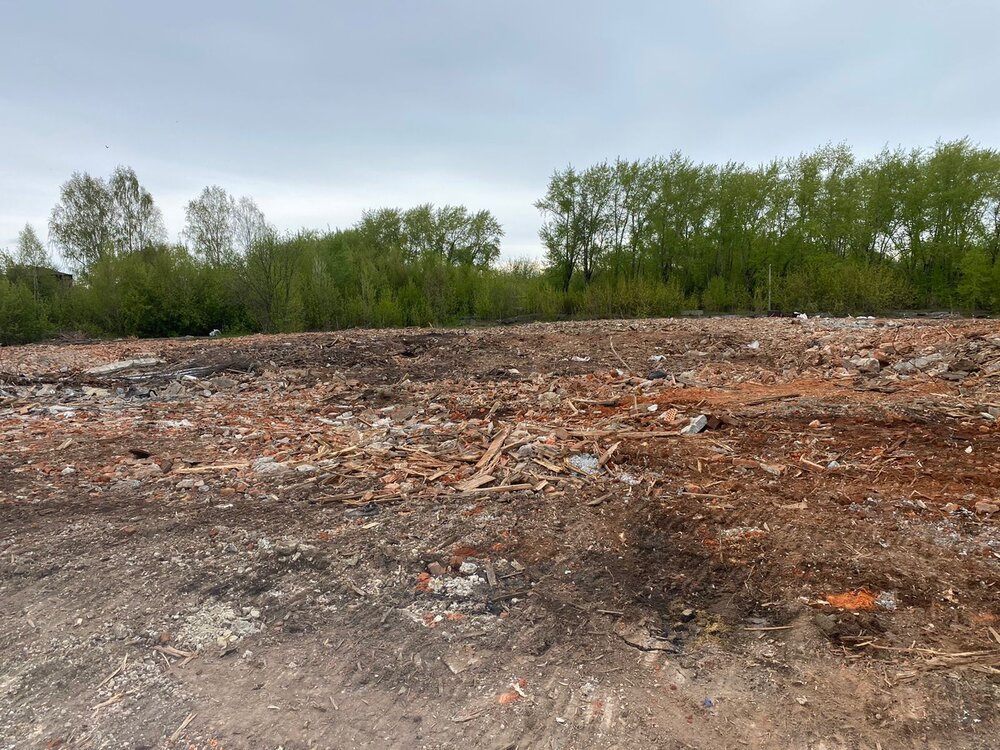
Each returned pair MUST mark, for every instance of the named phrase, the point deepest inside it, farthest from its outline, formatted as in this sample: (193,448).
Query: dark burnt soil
(358,594)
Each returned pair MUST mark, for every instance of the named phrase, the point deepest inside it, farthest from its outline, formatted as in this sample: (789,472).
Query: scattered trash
(587,463)
(863,600)
(886,601)
(753,345)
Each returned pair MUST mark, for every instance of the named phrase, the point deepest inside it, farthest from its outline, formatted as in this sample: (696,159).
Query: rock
(222,384)
(549,398)
(656,375)
(436,569)
(923,363)
(305,468)
(986,508)
(286,547)
(467,568)
(526,451)
(147,471)
(905,367)
(459,662)
(826,623)
(955,376)
(119,632)
(67,471)
(687,615)
(963,364)
(697,424)
(868,365)
(266,465)
(173,390)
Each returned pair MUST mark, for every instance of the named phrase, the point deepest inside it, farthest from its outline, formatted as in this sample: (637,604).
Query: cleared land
(499,538)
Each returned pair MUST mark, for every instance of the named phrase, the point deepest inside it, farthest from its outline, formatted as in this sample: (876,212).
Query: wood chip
(493,449)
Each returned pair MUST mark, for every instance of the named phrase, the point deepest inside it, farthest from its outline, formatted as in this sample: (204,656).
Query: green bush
(22,318)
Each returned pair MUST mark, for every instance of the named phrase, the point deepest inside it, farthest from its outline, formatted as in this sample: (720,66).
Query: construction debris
(363,522)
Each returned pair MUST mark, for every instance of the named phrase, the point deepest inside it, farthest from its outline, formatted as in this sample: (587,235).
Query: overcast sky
(322,109)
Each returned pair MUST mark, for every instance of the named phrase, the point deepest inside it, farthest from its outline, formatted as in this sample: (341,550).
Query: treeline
(832,232)
(821,232)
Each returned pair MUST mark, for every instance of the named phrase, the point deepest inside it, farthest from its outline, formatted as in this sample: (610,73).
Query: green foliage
(823,231)
(97,218)
(979,287)
(837,233)
(22,317)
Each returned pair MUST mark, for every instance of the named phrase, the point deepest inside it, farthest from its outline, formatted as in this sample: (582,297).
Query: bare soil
(501,538)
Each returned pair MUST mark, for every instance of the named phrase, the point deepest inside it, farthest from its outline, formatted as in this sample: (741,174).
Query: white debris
(124,364)
(588,463)
(174,423)
(697,424)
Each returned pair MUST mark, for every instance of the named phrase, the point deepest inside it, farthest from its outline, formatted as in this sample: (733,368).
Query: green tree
(81,223)
(95,219)
(209,225)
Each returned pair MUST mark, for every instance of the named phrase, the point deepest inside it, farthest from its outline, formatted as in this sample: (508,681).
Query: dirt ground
(504,538)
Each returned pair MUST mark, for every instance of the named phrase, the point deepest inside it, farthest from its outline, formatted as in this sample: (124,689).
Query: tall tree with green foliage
(32,257)
(209,225)
(82,223)
(95,219)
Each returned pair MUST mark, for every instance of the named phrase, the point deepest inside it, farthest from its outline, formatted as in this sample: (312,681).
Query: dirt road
(505,538)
